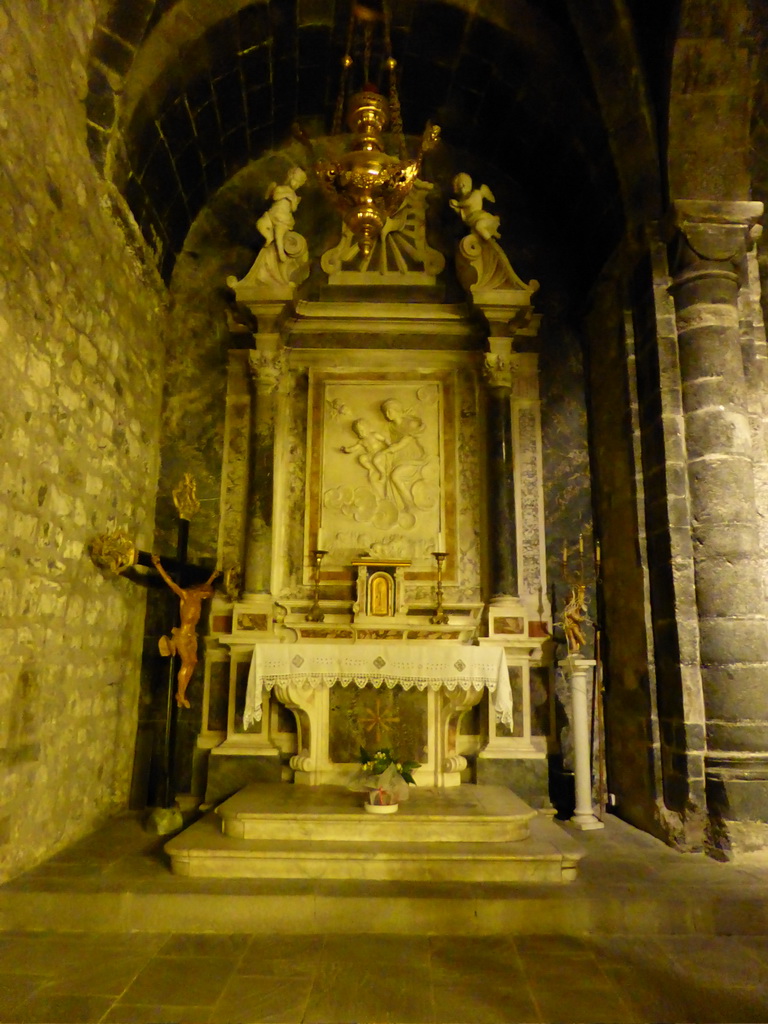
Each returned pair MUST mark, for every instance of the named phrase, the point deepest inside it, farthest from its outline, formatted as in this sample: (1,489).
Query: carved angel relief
(392,454)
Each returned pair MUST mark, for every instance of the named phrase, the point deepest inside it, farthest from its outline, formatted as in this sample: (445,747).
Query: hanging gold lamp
(366,184)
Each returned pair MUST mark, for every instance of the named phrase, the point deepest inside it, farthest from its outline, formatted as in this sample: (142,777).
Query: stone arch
(626,98)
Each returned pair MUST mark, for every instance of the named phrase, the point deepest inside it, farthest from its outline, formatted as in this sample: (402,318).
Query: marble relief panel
(382,477)
(377,718)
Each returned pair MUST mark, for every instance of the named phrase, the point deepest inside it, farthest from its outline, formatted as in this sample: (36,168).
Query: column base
(586,822)
(737,801)
(507,619)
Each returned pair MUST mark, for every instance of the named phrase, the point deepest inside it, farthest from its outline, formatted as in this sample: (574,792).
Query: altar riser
(371,830)
(377,868)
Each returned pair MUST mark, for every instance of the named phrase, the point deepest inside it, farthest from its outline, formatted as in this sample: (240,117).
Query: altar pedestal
(408,697)
(471,834)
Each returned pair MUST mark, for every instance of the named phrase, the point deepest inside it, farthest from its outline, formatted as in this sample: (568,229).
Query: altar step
(461,814)
(465,834)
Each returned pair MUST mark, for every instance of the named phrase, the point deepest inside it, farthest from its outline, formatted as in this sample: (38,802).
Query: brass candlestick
(315,614)
(440,618)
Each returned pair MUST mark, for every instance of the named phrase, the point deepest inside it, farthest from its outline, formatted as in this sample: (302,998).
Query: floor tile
(64,1009)
(15,988)
(726,1005)
(589,1009)
(99,976)
(451,955)
(263,1000)
(205,945)
(42,954)
(173,981)
(290,955)
(461,1002)
(124,1013)
(379,990)
(398,949)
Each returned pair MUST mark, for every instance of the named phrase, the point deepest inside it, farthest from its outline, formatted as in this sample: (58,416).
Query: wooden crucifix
(116,553)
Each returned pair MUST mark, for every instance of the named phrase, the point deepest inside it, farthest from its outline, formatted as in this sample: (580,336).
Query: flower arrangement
(386,776)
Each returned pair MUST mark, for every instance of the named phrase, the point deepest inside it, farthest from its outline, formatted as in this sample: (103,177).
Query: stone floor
(103,932)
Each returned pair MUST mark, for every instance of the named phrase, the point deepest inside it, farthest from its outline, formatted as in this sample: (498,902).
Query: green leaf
(407,777)
(364,755)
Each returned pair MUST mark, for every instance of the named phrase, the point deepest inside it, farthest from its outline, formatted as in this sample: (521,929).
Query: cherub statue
(277,221)
(574,614)
(183,639)
(469,206)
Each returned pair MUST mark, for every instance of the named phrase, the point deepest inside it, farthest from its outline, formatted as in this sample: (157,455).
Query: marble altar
(369,425)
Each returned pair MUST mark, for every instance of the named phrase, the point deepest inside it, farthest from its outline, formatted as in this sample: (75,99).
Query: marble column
(712,243)
(579,671)
(502,532)
(267,368)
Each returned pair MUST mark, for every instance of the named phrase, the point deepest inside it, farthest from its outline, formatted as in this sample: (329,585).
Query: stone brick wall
(80,382)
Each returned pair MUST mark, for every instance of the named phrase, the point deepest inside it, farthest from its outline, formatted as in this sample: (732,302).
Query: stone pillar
(267,368)
(713,241)
(502,534)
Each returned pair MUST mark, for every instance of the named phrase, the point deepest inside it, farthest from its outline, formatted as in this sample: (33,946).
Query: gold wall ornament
(185,497)
(113,552)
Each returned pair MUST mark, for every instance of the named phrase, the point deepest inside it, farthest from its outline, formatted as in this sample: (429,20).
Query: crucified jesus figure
(183,639)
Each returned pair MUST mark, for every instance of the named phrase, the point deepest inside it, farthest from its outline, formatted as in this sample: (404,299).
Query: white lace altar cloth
(423,666)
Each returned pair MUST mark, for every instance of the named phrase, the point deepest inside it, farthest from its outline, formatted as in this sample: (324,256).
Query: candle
(565,552)
(320,540)
(440,542)
(581,543)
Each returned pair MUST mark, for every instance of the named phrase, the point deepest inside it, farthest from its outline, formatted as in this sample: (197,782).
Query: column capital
(498,372)
(268,369)
(715,232)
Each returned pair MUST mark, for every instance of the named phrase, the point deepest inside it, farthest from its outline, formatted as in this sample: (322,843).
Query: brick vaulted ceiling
(183,93)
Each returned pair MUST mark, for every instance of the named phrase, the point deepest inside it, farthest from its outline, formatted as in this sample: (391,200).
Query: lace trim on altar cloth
(319,680)
(462,667)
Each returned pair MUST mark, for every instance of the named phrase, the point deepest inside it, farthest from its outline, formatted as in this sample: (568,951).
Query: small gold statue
(183,639)
(574,614)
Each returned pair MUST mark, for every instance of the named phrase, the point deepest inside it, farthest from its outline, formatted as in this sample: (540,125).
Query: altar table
(424,666)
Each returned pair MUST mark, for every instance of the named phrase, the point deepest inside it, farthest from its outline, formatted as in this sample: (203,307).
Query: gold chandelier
(367,185)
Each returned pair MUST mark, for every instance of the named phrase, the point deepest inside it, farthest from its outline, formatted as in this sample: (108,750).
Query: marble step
(463,814)
(548,855)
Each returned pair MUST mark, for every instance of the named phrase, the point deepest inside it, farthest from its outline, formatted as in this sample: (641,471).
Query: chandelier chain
(367,41)
(395,113)
(346,64)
